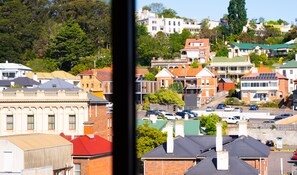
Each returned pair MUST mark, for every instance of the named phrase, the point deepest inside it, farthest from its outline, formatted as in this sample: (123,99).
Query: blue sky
(214,9)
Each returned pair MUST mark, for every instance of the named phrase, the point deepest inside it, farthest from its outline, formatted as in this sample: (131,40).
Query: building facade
(289,70)
(197,49)
(12,70)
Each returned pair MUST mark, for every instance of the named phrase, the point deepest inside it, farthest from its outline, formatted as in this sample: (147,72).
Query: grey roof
(243,147)
(209,166)
(58,83)
(95,100)
(226,80)
(21,81)
(185,147)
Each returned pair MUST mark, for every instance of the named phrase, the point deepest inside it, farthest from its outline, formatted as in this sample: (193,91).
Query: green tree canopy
(210,121)
(168,13)
(237,16)
(165,97)
(148,138)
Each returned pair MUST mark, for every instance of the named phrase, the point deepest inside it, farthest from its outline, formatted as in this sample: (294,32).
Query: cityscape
(214,96)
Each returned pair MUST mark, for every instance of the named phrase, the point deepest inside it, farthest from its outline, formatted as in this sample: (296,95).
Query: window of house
(207,82)
(92,85)
(90,76)
(51,122)
(72,122)
(174,23)
(173,29)
(233,68)
(109,123)
(161,28)
(154,28)
(291,71)
(81,77)
(87,85)
(30,122)
(9,122)
(202,82)
(77,169)
(273,94)
(284,72)
(178,23)
(245,94)
(162,83)
(291,81)
(222,68)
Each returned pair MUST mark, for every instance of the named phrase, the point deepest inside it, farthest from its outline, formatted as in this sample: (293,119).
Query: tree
(194,64)
(165,97)
(210,121)
(237,17)
(43,65)
(168,13)
(156,8)
(148,138)
(150,76)
(177,87)
(69,45)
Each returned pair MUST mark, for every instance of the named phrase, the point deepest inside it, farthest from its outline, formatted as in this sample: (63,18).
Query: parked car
(228,109)
(270,143)
(282,116)
(171,116)
(268,121)
(191,112)
(238,109)
(238,117)
(183,114)
(210,109)
(221,106)
(254,107)
(151,112)
(231,120)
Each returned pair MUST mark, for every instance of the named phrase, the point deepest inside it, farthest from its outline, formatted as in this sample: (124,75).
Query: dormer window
(54,85)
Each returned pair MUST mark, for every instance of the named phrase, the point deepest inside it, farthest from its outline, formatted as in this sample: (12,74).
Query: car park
(238,117)
(221,106)
(171,116)
(228,109)
(184,114)
(282,116)
(210,109)
(191,112)
(254,107)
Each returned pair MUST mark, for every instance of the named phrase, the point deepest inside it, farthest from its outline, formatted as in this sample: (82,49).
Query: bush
(270,104)
(233,101)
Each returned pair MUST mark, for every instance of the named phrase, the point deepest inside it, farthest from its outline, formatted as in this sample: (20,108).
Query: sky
(215,9)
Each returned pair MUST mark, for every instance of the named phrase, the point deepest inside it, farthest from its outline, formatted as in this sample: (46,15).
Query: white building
(12,70)
(157,24)
(24,111)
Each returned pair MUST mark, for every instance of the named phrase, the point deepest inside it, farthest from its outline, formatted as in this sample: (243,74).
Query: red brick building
(92,154)
(225,84)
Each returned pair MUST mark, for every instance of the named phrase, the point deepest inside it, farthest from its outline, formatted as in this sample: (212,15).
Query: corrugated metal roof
(94,99)
(290,64)
(51,75)
(28,142)
(58,83)
(8,65)
(160,124)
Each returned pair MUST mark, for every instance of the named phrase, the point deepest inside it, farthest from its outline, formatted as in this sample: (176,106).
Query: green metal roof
(226,59)
(251,46)
(290,64)
(160,124)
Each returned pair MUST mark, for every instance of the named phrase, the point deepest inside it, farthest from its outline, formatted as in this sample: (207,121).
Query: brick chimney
(170,142)
(89,129)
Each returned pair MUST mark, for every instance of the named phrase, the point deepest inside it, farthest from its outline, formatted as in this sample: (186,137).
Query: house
(225,84)
(289,70)
(22,82)
(43,77)
(263,85)
(197,49)
(160,62)
(271,50)
(231,67)
(92,154)
(199,81)
(207,154)
(12,70)
(35,154)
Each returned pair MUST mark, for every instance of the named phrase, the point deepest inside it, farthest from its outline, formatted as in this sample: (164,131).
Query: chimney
(295,56)
(222,155)
(179,129)
(230,55)
(261,64)
(12,83)
(200,66)
(6,62)
(169,143)
(219,137)
(35,77)
(242,130)
(88,129)
(153,118)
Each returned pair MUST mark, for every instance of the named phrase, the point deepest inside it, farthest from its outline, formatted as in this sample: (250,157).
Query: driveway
(274,163)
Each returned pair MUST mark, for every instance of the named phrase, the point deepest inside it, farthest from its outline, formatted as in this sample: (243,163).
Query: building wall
(283,87)
(97,166)
(169,80)
(90,83)
(176,167)
(291,76)
(226,86)
(211,87)
(41,105)
(102,121)
(256,164)
(17,159)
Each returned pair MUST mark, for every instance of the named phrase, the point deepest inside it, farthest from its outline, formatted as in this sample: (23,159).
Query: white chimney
(222,160)
(242,130)
(219,137)
(153,118)
(35,77)
(230,55)
(12,83)
(295,56)
(179,129)
(169,143)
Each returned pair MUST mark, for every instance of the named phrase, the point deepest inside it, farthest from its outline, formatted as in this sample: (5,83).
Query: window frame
(51,123)
(29,123)
(9,123)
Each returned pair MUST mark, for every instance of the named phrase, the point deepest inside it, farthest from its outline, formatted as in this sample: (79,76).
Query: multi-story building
(233,67)
(12,70)
(157,24)
(262,86)
(289,70)
(201,79)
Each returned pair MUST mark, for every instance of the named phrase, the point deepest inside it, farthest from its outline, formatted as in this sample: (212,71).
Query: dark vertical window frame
(123,52)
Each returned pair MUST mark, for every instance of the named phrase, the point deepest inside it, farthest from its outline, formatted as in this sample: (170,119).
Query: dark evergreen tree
(237,16)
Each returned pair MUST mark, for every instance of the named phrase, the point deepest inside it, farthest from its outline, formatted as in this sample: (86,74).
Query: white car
(230,120)
(171,116)
(228,108)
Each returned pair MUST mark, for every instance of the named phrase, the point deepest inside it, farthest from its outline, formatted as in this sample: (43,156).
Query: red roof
(86,146)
